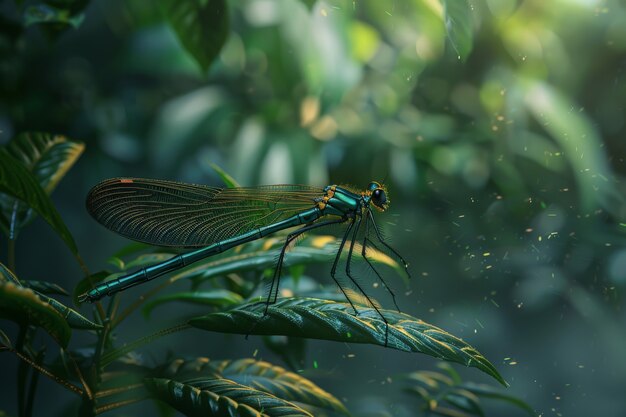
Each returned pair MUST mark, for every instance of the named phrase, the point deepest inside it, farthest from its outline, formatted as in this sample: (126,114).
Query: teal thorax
(340,201)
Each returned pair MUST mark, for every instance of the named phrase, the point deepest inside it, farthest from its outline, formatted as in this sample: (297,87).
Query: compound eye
(379,197)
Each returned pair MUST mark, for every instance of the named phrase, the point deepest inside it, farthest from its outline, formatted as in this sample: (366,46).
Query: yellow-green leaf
(18,182)
(22,305)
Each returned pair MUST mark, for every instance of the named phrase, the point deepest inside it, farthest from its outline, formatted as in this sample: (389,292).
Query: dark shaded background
(505,171)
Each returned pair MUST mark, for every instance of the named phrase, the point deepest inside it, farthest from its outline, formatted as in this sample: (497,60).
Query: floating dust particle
(486,254)
(513,363)
(494,302)
(315,364)
(507,359)
(256,352)
(528,230)
(479,323)
(375,285)
(431,310)
(424,274)
(351,355)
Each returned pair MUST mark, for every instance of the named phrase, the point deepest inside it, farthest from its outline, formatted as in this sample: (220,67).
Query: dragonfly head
(377,195)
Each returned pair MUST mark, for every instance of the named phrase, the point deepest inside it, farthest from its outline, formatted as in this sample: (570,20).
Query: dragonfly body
(213,220)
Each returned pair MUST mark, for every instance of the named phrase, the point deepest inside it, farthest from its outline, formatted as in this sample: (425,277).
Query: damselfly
(168,213)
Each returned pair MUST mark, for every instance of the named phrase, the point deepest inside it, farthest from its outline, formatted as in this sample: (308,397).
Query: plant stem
(80,376)
(32,389)
(118,404)
(22,370)
(129,347)
(47,373)
(139,301)
(11,254)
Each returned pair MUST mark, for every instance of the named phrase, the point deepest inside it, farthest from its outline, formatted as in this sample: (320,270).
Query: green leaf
(458,21)
(45,287)
(131,249)
(145,260)
(74,319)
(487,391)
(5,340)
(217,297)
(43,13)
(201,26)
(6,275)
(18,182)
(220,397)
(261,254)
(280,382)
(448,389)
(121,387)
(465,400)
(88,283)
(578,138)
(229,181)
(328,320)
(48,157)
(259,375)
(24,306)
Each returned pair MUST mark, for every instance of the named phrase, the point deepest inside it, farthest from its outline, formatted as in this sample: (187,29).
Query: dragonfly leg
(333,270)
(355,282)
(381,240)
(364,255)
(279,265)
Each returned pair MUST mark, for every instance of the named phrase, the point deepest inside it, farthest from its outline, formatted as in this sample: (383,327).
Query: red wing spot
(125,181)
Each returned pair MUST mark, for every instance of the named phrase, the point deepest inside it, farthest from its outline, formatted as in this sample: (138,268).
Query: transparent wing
(169,213)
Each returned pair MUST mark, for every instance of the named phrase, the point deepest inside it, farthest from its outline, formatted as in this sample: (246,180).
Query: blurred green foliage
(497,124)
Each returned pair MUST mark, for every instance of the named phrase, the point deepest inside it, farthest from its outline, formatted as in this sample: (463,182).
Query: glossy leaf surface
(48,157)
(329,320)
(16,181)
(216,298)
(221,397)
(24,306)
(259,375)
